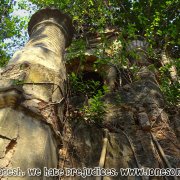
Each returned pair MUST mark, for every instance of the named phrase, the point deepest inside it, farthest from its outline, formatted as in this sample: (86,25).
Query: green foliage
(13,26)
(77,49)
(86,87)
(5,28)
(95,111)
(170,89)
(18,82)
(157,22)
(151,19)
(3,58)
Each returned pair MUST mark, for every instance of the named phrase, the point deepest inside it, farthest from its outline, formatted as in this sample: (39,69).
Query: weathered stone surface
(29,131)
(40,55)
(10,98)
(111,78)
(3,143)
(119,154)
(82,144)
(139,47)
(35,144)
(132,111)
(144,121)
(177,124)
(44,83)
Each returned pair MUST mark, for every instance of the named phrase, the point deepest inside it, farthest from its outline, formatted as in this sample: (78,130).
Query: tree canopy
(156,22)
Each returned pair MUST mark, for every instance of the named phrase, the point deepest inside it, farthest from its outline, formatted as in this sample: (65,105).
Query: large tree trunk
(32,91)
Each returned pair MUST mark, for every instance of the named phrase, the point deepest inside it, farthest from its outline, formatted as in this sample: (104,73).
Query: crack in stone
(11,145)
(4,137)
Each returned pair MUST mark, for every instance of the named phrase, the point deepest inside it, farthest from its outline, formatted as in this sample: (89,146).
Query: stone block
(144,121)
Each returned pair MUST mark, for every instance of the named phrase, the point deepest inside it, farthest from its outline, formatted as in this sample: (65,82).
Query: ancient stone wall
(139,133)
(32,92)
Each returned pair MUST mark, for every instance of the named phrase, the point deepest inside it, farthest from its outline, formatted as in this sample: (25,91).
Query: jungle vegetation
(156,22)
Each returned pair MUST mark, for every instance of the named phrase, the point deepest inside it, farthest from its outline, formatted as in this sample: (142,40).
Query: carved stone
(29,132)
